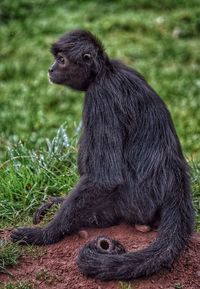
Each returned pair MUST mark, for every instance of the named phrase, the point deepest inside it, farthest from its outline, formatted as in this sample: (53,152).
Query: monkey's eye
(87,56)
(61,60)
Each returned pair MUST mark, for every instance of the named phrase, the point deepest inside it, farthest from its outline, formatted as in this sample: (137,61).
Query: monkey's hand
(44,208)
(27,236)
(34,236)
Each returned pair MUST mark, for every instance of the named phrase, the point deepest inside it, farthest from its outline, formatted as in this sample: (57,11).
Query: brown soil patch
(56,266)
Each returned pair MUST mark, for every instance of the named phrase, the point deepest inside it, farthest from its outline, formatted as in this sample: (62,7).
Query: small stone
(142,228)
(83,234)
(198,273)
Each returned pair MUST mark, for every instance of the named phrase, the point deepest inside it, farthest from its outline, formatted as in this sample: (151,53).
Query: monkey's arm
(102,145)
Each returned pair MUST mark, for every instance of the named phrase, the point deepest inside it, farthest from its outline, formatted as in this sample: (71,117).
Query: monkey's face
(77,75)
(78,56)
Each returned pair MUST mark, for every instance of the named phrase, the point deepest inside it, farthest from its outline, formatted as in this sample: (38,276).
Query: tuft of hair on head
(82,38)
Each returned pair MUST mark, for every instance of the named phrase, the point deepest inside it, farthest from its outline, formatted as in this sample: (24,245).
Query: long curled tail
(102,260)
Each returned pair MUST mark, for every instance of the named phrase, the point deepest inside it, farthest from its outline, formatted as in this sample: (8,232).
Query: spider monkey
(130,162)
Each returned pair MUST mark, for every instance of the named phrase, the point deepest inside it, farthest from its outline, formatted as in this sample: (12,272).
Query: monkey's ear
(87,57)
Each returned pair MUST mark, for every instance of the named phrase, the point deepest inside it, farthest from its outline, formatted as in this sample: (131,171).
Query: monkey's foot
(142,228)
(26,236)
(44,208)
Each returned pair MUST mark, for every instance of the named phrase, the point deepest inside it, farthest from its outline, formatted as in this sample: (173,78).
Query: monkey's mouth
(52,79)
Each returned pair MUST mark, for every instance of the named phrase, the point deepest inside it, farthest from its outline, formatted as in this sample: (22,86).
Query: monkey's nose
(50,70)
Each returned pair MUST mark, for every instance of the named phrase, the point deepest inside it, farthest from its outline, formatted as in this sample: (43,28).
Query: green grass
(18,285)
(39,121)
(178,286)
(123,285)
(27,177)
(9,254)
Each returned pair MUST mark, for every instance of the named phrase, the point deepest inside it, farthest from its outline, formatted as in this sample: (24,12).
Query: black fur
(130,161)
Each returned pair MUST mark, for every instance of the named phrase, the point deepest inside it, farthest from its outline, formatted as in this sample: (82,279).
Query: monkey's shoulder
(123,68)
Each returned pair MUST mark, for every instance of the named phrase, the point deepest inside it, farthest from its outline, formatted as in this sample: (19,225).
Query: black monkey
(130,162)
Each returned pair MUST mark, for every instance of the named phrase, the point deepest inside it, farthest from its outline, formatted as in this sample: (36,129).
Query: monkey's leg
(77,211)
(45,207)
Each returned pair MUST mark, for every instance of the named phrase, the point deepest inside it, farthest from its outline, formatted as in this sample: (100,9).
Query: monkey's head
(79,57)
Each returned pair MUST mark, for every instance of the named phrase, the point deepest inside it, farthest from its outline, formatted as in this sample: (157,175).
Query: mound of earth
(56,266)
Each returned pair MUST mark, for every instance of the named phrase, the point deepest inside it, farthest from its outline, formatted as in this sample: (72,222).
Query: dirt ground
(56,266)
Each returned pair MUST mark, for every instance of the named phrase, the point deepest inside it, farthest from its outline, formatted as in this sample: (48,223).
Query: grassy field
(39,122)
